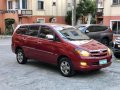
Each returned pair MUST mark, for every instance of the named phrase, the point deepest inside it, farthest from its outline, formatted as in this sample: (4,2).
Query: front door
(93,33)
(47,48)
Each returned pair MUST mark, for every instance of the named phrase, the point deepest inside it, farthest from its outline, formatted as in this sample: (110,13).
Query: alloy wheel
(65,67)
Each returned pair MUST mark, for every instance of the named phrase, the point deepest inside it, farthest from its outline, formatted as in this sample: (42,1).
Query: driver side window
(91,29)
(45,31)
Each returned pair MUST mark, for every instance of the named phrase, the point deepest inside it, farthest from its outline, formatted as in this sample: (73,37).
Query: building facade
(112,15)
(99,13)
(33,11)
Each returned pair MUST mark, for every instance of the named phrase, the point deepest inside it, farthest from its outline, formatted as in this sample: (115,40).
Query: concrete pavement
(39,76)
(5,36)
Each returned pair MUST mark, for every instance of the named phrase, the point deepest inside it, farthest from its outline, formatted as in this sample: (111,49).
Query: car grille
(98,53)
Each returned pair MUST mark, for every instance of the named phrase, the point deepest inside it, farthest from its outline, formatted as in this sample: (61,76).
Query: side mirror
(86,31)
(50,37)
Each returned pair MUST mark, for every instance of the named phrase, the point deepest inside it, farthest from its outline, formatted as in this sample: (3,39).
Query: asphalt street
(38,76)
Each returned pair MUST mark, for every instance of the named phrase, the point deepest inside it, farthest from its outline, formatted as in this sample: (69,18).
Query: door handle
(24,38)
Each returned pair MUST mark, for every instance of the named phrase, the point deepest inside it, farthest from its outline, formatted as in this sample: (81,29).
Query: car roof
(53,25)
(86,25)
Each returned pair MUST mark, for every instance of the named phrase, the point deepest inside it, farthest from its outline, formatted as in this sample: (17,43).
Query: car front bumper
(92,63)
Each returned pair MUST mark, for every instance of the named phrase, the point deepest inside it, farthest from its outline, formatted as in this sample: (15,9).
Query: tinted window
(100,28)
(91,29)
(97,28)
(23,30)
(45,31)
(33,30)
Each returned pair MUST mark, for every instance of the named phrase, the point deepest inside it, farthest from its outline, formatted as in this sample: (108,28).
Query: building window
(116,27)
(116,2)
(54,4)
(10,6)
(40,20)
(69,4)
(40,4)
(17,4)
(24,4)
(100,3)
(21,4)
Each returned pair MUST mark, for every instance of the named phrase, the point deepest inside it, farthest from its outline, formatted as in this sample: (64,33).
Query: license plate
(101,62)
(119,46)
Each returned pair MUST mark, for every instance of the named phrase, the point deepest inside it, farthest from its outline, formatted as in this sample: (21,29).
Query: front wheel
(21,59)
(66,67)
(105,41)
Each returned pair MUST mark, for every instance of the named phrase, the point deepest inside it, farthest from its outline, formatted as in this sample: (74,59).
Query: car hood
(88,44)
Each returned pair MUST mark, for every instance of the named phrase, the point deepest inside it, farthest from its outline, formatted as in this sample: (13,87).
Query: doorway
(115,26)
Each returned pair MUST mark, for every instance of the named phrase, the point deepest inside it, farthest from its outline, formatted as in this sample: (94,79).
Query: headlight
(109,51)
(82,52)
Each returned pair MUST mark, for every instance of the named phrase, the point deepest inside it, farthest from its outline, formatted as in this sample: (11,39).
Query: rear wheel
(21,58)
(66,67)
(117,55)
(105,41)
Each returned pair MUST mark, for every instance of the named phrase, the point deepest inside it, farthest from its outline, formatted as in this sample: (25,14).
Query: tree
(84,8)
(68,18)
(8,24)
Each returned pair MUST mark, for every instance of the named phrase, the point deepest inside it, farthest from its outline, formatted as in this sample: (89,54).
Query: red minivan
(60,45)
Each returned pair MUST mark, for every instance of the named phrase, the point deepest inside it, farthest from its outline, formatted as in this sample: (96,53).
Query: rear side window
(97,28)
(22,30)
(33,30)
(100,28)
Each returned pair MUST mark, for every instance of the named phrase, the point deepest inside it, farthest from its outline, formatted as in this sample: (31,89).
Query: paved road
(38,76)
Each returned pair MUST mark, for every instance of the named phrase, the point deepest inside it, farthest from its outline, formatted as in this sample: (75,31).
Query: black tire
(21,58)
(105,41)
(66,67)
(97,70)
(117,55)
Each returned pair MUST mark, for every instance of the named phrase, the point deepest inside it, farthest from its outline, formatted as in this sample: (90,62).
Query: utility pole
(73,12)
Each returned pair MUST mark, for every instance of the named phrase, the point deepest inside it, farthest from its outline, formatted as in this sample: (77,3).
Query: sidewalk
(5,36)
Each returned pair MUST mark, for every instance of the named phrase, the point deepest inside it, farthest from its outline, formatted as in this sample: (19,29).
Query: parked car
(116,47)
(60,45)
(98,32)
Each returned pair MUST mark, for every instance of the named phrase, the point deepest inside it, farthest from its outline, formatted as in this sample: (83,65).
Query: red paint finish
(49,50)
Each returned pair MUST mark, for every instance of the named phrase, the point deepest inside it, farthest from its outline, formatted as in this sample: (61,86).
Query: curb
(5,36)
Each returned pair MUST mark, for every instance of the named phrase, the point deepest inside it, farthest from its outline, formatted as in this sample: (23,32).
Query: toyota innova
(60,45)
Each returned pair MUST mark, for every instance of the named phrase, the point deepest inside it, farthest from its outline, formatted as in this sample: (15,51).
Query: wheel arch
(107,41)
(61,56)
(105,38)
(16,49)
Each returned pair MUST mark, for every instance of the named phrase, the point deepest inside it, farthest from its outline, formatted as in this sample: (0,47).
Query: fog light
(83,63)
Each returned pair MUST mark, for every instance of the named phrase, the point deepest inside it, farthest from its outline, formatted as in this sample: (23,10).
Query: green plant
(8,24)
(68,18)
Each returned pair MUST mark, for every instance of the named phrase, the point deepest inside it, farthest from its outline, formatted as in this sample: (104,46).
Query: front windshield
(73,34)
